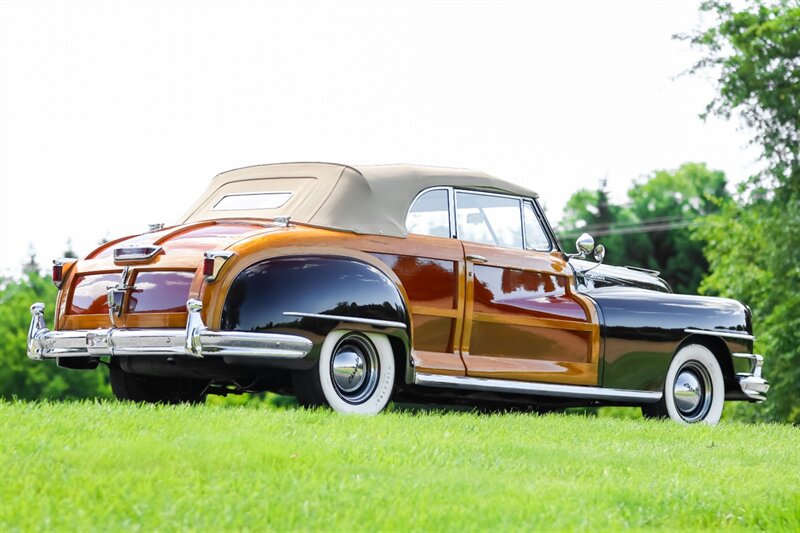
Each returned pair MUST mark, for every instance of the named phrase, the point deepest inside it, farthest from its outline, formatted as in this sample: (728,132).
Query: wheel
(354,374)
(694,390)
(150,389)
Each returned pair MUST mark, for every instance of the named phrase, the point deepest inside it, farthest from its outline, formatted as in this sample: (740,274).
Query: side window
(535,237)
(430,214)
(486,219)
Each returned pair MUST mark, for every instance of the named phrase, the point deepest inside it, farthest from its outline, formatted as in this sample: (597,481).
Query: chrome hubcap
(692,391)
(348,370)
(354,369)
(687,391)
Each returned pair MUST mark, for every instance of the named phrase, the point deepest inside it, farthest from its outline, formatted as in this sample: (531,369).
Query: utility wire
(639,228)
(623,223)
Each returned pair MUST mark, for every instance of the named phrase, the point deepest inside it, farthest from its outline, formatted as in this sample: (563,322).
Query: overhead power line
(631,229)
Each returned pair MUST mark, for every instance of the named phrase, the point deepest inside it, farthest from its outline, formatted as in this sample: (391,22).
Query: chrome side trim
(196,340)
(717,333)
(370,321)
(541,389)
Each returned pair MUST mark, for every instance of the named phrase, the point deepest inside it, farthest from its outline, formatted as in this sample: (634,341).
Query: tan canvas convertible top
(363,199)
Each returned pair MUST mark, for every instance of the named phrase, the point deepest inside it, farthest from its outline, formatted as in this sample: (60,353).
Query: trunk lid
(155,273)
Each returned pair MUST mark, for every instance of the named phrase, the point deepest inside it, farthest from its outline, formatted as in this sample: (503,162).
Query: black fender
(283,295)
(643,329)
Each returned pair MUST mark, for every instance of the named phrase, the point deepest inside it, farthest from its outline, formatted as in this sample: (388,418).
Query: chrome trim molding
(370,321)
(281,221)
(717,333)
(135,253)
(542,389)
(196,340)
(752,384)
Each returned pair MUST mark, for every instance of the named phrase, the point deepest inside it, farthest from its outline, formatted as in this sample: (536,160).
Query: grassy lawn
(111,466)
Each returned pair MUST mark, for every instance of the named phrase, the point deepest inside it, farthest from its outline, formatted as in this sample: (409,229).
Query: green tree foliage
(26,379)
(753,244)
(652,229)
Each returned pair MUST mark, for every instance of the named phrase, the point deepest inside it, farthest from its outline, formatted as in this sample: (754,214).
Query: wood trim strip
(428,310)
(552,323)
(461,287)
(468,308)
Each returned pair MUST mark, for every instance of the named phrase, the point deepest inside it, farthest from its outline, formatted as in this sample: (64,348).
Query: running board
(541,389)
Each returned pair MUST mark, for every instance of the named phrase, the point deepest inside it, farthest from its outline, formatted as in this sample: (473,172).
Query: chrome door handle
(476,258)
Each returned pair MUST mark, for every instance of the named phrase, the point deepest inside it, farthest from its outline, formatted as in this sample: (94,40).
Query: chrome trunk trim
(339,318)
(536,388)
(124,254)
(195,341)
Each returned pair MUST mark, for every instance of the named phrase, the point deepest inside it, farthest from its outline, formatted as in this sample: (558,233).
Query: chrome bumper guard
(752,384)
(195,341)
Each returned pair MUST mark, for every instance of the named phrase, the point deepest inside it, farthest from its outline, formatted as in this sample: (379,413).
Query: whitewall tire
(354,374)
(694,389)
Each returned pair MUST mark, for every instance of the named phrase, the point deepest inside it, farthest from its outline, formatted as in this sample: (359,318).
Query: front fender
(643,329)
(298,294)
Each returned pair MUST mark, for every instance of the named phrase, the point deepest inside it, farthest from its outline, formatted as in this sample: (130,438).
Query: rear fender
(313,294)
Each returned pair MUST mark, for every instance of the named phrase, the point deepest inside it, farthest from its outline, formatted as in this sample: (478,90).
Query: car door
(522,319)
(430,265)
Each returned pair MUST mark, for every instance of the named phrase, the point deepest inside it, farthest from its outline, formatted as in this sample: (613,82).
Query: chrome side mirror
(599,253)
(584,244)
(586,247)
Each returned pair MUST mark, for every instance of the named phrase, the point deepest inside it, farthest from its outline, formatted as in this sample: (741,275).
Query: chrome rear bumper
(194,341)
(752,384)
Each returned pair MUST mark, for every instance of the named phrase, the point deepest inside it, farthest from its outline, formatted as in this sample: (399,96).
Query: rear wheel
(354,374)
(694,390)
(151,389)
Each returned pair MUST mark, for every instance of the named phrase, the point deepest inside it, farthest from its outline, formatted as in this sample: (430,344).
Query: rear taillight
(58,273)
(60,267)
(208,266)
(213,262)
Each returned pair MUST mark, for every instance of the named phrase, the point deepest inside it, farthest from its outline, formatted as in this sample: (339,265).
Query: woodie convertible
(349,286)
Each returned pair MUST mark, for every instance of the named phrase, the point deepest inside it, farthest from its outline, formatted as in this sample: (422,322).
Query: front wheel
(354,374)
(694,390)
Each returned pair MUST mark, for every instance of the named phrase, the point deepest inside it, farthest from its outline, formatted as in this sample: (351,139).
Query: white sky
(115,115)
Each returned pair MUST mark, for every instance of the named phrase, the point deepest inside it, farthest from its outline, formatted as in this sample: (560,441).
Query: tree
(652,229)
(69,252)
(26,379)
(31,265)
(754,242)
(666,204)
(754,53)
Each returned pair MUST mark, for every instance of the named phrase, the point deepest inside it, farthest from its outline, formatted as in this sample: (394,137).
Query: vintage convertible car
(350,286)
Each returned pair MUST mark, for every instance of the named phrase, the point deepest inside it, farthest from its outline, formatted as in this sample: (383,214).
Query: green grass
(112,466)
